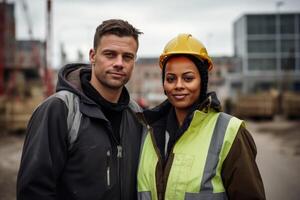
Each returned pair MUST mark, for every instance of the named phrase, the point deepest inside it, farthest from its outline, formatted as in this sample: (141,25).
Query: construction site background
(27,78)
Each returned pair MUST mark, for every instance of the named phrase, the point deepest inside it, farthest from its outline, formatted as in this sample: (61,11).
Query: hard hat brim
(164,57)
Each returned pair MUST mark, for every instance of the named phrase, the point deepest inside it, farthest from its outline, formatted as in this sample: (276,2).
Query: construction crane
(47,79)
(27,18)
(2,48)
(47,76)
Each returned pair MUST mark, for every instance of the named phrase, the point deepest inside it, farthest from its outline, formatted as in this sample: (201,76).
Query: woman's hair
(202,67)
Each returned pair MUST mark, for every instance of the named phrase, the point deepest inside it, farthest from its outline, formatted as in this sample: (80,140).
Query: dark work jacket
(93,169)
(240,174)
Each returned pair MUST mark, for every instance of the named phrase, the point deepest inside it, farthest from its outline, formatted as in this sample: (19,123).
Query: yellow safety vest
(198,157)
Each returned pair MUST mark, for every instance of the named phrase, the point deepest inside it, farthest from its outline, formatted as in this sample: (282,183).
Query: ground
(278,157)
(287,133)
(10,154)
(278,145)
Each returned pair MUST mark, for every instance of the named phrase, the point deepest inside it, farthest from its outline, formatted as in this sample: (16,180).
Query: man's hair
(116,27)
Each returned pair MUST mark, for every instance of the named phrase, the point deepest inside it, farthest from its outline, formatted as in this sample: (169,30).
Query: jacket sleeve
(44,152)
(240,173)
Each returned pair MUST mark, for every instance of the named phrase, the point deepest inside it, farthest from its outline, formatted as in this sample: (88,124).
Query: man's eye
(128,57)
(109,55)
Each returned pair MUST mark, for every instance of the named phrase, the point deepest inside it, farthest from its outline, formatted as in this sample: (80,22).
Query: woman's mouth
(179,96)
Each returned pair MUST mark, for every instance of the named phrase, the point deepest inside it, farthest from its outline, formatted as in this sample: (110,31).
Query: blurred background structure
(25,76)
(259,81)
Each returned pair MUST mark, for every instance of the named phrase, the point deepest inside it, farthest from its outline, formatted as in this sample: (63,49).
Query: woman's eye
(170,79)
(188,78)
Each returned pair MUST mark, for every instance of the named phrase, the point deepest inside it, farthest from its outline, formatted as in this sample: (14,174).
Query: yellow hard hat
(185,44)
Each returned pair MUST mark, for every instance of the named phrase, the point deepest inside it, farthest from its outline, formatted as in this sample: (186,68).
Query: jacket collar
(69,79)
(161,111)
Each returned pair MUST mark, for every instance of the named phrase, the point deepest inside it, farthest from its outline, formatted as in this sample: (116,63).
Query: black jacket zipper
(108,168)
(119,148)
(119,157)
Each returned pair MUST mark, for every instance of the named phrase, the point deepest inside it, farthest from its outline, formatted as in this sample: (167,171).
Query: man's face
(113,62)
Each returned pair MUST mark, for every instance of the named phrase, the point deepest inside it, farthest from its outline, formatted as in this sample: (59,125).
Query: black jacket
(96,167)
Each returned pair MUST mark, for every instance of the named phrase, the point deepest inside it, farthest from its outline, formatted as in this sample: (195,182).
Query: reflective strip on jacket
(198,157)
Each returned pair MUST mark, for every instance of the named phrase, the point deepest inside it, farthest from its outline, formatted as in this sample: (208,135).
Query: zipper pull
(108,168)
(119,155)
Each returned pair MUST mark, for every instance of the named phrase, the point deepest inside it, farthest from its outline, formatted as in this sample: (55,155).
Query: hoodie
(98,166)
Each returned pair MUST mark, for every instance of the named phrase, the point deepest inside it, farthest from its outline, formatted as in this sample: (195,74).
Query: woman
(193,150)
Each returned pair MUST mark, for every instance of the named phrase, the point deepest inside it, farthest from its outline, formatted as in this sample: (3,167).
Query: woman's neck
(180,115)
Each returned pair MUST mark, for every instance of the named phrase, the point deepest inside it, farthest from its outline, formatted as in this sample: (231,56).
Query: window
(296,86)
(236,85)
(288,64)
(261,24)
(287,25)
(262,46)
(298,28)
(261,64)
(288,46)
(264,86)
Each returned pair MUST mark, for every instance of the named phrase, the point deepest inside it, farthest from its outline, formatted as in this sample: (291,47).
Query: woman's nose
(179,83)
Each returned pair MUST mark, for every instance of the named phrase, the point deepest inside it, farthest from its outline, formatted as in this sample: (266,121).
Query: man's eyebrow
(129,53)
(108,50)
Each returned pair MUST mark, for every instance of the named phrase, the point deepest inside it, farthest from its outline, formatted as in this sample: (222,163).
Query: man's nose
(119,61)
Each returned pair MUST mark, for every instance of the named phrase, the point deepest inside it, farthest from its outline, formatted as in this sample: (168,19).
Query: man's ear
(92,55)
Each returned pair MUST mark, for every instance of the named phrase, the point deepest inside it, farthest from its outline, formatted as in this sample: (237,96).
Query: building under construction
(268,81)
(269,48)
(24,76)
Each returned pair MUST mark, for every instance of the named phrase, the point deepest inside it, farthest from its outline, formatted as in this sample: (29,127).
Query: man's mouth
(117,74)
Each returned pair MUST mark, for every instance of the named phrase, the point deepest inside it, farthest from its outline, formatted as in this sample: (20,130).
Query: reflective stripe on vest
(198,158)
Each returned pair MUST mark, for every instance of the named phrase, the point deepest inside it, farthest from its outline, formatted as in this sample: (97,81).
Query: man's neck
(111,95)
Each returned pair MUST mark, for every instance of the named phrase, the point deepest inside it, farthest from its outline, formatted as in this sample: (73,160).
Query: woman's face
(182,82)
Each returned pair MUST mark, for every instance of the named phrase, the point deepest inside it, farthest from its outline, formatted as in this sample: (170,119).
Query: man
(92,152)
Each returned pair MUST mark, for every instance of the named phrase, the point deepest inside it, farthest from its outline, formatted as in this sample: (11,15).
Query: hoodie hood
(210,102)
(69,78)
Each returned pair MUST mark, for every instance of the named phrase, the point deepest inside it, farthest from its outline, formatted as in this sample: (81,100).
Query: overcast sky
(74,21)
